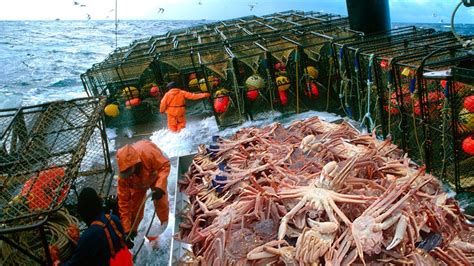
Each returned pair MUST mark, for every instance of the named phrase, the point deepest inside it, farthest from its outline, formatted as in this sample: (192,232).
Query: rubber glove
(129,240)
(157,193)
(54,252)
(73,232)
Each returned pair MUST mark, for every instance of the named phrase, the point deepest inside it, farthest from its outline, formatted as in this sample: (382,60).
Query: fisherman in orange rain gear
(142,165)
(174,104)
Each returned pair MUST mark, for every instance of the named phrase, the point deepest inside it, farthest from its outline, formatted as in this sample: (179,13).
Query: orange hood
(127,157)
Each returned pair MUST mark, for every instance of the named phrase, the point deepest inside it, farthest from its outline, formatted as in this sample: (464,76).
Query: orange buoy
(40,189)
(283,83)
(132,102)
(255,82)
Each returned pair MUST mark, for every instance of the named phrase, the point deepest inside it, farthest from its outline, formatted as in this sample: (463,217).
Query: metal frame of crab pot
(418,127)
(386,112)
(315,48)
(110,81)
(443,111)
(460,88)
(59,146)
(357,75)
(366,55)
(219,62)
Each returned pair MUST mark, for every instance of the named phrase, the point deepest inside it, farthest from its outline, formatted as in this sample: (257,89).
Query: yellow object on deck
(112,110)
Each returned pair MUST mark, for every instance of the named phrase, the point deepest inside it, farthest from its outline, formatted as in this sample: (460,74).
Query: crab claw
(399,232)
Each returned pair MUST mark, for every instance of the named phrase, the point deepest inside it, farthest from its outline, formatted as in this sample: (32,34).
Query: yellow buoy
(202,85)
(255,82)
(312,72)
(466,119)
(130,92)
(193,83)
(221,92)
(214,81)
(112,110)
(283,83)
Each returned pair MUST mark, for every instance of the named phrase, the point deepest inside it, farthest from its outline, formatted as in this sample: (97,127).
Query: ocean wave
(63,83)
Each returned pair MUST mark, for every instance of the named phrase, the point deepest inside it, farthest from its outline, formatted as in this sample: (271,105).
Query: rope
(369,92)
(356,77)
(297,79)
(56,235)
(415,131)
(331,65)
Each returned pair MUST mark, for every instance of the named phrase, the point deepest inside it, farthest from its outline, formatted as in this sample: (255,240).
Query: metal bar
(21,249)
(44,241)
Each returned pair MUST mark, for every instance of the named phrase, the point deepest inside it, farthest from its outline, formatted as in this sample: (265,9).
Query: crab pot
(283,81)
(425,107)
(222,82)
(360,92)
(452,145)
(383,59)
(316,64)
(50,152)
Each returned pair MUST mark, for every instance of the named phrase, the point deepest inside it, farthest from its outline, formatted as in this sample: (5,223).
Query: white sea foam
(201,132)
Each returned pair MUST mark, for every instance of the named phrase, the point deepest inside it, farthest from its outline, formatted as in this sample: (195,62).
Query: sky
(414,11)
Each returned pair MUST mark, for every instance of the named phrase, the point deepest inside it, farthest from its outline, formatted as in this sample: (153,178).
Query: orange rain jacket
(174,104)
(132,191)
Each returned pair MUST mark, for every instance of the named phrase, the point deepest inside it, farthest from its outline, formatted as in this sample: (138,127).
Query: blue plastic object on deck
(216,138)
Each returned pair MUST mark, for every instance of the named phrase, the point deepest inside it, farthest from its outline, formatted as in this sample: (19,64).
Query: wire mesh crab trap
(387,112)
(316,69)
(423,105)
(462,102)
(448,115)
(132,87)
(222,81)
(48,152)
(358,90)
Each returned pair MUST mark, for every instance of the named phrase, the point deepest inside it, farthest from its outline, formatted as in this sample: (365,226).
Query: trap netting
(47,150)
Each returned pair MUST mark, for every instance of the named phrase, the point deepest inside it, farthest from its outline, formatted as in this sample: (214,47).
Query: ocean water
(43,60)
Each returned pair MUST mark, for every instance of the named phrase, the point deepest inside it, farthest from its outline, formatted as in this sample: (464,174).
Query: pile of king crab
(317,193)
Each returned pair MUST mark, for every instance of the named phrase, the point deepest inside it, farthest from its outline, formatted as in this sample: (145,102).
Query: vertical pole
(116,24)
(369,16)
(44,241)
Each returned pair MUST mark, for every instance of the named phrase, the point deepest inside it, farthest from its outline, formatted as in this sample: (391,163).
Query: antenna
(116,24)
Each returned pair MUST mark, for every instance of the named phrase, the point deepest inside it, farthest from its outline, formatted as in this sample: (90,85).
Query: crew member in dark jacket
(93,247)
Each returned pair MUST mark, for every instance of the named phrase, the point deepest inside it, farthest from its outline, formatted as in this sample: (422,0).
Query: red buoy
(221,104)
(283,97)
(252,95)
(468,145)
(154,91)
(469,103)
(312,90)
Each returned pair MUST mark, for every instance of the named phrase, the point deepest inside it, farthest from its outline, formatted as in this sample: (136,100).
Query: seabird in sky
(252,6)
